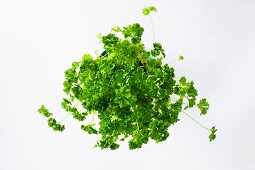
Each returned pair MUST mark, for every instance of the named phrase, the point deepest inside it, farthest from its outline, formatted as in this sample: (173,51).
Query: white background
(40,39)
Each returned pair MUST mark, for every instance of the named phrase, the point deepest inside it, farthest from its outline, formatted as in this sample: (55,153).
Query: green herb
(132,94)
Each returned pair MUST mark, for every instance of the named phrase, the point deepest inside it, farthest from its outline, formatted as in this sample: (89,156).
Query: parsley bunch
(133,95)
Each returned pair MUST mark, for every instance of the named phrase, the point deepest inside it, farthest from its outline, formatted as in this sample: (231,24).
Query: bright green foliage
(55,126)
(186,90)
(212,135)
(133,32)
(131,92)
(89,129)
(157,50)
(203,105)
(159,130)
(147,10)
(116,29)
(45,112)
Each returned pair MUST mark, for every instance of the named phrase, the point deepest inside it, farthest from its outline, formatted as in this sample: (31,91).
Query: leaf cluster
(147,10)
(52,123)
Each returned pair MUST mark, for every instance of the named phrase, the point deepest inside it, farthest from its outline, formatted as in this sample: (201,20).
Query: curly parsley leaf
(147,10)
(89,129)
(134,32)
(212,135)
(55,125)
(45,112)
(203,106)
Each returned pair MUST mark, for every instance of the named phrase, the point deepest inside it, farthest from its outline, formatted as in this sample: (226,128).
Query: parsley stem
(68,114)
(196,121)
(65,117)
(153,28)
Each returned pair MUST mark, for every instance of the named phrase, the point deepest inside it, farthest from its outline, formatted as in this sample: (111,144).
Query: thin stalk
(153,28)
(68,114)
(196,121)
